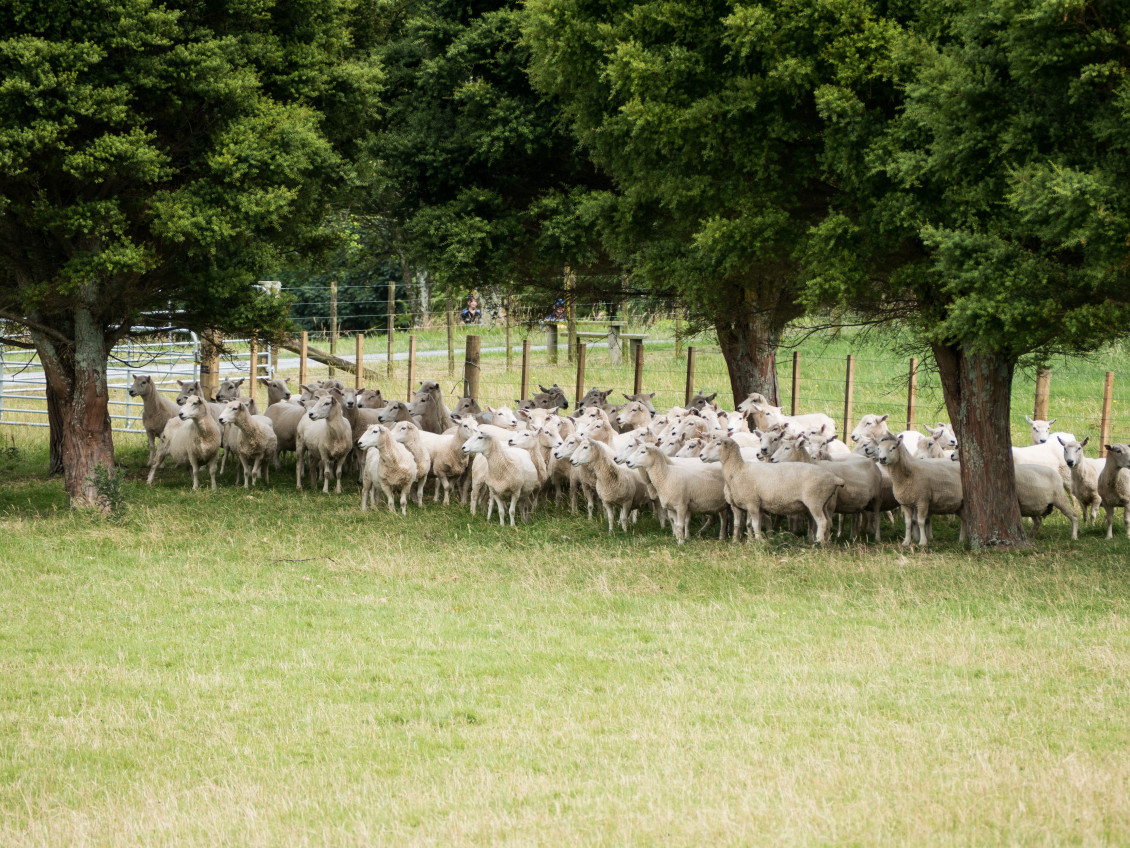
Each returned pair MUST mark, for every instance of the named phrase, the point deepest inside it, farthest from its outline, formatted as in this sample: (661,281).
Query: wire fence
(636,349)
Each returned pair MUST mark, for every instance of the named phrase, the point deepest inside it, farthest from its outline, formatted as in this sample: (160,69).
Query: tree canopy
(153,161)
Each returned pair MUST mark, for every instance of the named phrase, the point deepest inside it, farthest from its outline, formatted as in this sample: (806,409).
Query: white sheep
(923,487)
(682,490)
(1039,489)
(1042,431)
(1114,486)
(1084,476)
(252,437)
(327,436)
(510,471)
(388,464)
(616,486)
(792,488)
(156,410)
(420,444)
(192,438)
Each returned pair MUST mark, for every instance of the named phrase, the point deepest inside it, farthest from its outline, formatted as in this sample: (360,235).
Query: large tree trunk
(55,423)
(978,392)
(748,336)
(76,380)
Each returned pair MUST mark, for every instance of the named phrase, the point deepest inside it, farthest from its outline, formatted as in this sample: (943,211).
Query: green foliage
(474,164)
(111,496)
(992,209)
(157,158)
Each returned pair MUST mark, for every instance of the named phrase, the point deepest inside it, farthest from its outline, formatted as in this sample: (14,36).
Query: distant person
(471,313)
(557,313)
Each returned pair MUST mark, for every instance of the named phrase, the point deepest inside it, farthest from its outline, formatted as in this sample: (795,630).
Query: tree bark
(978,393)
(749,337)
(76,382)
(55,425)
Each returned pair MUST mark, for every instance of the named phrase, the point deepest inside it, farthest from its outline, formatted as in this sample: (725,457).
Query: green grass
(275,668)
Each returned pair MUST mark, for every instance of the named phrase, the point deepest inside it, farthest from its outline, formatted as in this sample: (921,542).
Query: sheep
(325,433)
(390,466)
(370,399)
(701,400)
(645,399)
(252,437)
(192,438)
(467,406)
(681,490)
(580,476)
(635,414)
(428,410)
(595,397)
(1042,431)
(1114,486)
(1048,454)
(510,472)
(616,486)
(875,427)
(277,390)
(861,494)
(551,398)
(409,435)
(285,416)
(394,411)
(360,420)
(449,463)
(922,487)
(794,488)
(1084,476)
(1038,490)
(156,410)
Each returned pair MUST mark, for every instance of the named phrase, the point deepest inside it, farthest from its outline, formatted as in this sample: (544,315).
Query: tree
(706,117)
(991,213)
(153,159)
(477,180)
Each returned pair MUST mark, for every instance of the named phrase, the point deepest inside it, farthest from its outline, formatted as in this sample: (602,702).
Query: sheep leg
(153,466)
(1110,520)
(404,495)
(212,470)
(908,522)
(753,522)
(299,461)
(152,446)
(1125,521)
(682,519)
(739,520)
(246,472)
(923,524)
(610,514)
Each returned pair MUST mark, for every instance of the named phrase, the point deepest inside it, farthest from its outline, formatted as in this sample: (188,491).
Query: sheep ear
(263,381)
(884,418)
(239,382)
(1059,439)
(1083,443)
(1029,420)
(900,437)
(287,380)
(1052,421)
(1108,447)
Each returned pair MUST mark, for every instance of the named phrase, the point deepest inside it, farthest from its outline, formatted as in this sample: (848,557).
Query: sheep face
(187,390)
(712,451)
(1119,455)
(231,411)
(369,438)
(192,408)
(276,388)
(1073,451)
(228,390)
(886,450)
(477,443)
(389,414)
(565,449)
(870,426)
(584,454)
(141,385)
(643,457)
(1041,430)
(526,439)
(322,408)
(753,403)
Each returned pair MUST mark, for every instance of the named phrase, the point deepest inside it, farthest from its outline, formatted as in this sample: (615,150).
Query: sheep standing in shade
(192,439)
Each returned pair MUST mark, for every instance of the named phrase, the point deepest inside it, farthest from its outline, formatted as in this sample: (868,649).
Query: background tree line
(956,167)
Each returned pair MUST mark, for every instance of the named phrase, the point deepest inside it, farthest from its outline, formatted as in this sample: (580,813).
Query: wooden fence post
(333,322)
(638,384)
(1104,426)
(551,341)
(912,394)
(582,350)
(471,369)
(360,358)
(303,345)
(690,376)
(525,369)
(849,393)
(796,383)
(1043,389)
(411,364)
(252,364)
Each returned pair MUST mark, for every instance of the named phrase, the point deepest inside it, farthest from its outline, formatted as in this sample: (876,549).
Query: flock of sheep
(698,460)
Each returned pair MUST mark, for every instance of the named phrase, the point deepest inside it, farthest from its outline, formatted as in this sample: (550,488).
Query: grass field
(275,668)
